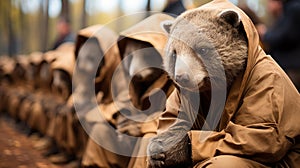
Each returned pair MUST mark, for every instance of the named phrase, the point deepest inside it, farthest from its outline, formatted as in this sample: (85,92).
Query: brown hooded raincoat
(261,114)
(96,155)
(76,141)
(149,31)
(48,98)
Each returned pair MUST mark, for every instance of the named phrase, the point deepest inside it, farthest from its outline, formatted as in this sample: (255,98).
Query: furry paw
(170,149)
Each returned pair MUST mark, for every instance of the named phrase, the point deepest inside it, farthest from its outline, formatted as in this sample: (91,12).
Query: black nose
(182,78)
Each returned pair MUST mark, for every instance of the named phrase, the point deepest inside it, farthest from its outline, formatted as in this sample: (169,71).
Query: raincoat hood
(36,58)
(7,65)
(22,62)
(155,36)
(107,41)
(103,82)
(148,30)
(50,56)
(64,58)
(105,36)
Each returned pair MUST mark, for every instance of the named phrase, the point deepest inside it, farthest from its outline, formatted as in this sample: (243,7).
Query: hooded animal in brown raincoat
(7,65)
(97,57)
(31,86)
(251,122)
(54,87)
(138,46)
(20,88)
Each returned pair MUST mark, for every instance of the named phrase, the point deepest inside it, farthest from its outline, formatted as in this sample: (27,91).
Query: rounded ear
(231,17)
(166,25)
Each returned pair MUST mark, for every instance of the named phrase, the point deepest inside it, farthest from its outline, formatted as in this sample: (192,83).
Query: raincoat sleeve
(254,130)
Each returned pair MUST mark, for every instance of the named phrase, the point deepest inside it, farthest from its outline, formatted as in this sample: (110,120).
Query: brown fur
(199,28)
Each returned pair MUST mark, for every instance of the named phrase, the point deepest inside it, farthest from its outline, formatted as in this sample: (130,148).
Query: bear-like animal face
(205,48)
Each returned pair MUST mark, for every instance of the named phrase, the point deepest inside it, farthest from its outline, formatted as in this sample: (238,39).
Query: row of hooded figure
(97,100)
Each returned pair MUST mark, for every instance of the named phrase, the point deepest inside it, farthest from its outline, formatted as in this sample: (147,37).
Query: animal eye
(173,55)
(203,51)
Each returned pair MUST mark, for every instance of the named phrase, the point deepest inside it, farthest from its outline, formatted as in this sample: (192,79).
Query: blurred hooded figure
(96,58)
(174,7)
(6,68)
(65,34)
(260,26)
(283,38)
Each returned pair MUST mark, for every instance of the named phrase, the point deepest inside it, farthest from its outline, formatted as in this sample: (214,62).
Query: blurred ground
(16,149)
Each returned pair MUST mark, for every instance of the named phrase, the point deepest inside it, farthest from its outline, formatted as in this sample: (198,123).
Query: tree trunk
(148,5)
(119,24)
(23,32)
(65,12)
(11,33)
(83,15)
(44,21)
(3,28)
(148,8)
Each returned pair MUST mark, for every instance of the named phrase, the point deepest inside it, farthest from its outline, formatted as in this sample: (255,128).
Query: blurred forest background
(30,25)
